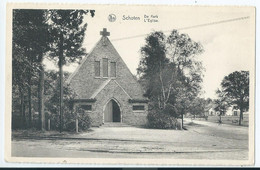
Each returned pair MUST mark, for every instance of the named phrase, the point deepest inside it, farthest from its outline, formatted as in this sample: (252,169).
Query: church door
(112,112)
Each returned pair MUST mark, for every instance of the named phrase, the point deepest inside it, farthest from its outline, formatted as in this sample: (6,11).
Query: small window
(138,107)
(113,69)
(105,67)
(97,68)
(87,107)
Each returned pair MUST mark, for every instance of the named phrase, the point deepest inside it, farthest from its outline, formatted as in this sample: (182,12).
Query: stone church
(106,89)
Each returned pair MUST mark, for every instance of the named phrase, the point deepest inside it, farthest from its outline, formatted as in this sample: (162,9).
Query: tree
(198,106)
(221,104)
(236,89)
(67,30)
(153,61)
(170,70)
(19,83)
(52,101)
(183,52)
(30,42)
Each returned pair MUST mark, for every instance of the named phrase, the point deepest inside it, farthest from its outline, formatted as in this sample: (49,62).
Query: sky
(228,46)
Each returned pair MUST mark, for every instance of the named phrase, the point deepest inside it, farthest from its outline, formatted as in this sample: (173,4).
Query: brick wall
(122,88)
(84,82)
(115,92)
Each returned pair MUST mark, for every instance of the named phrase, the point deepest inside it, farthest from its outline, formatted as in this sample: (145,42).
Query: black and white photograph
(130,84)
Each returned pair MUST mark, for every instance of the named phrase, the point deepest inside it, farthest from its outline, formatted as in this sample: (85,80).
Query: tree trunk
(22,112)
(61,80)
(241,115)
(40,98)
(24,116)
(30,106)
(182,119)
(21,103)
(61,98)
(30,97)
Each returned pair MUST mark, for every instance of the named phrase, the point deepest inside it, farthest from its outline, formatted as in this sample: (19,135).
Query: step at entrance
(115,124)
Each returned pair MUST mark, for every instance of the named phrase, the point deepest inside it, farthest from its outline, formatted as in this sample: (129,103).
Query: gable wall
(113,91)
(84,82)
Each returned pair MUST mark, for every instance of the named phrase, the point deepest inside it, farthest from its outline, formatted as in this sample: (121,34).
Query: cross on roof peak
(104,33)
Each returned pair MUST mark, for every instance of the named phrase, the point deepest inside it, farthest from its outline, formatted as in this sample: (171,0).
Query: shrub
(162,118)
(69,120)
(84,120)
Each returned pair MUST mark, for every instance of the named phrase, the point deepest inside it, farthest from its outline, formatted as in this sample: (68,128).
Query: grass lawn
(231,120)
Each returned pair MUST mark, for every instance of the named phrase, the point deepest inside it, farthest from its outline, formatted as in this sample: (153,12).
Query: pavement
(201,140)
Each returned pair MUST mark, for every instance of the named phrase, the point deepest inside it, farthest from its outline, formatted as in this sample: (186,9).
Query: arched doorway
(112,112)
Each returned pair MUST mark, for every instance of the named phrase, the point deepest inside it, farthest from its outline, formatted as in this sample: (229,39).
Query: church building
(106,89)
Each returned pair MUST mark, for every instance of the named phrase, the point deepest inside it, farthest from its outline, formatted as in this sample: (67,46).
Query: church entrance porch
(112,112)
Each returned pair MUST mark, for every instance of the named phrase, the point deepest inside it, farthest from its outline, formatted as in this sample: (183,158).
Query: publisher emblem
(112,18)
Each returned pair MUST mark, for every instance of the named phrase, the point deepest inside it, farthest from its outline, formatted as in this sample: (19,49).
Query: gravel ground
(201,140)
